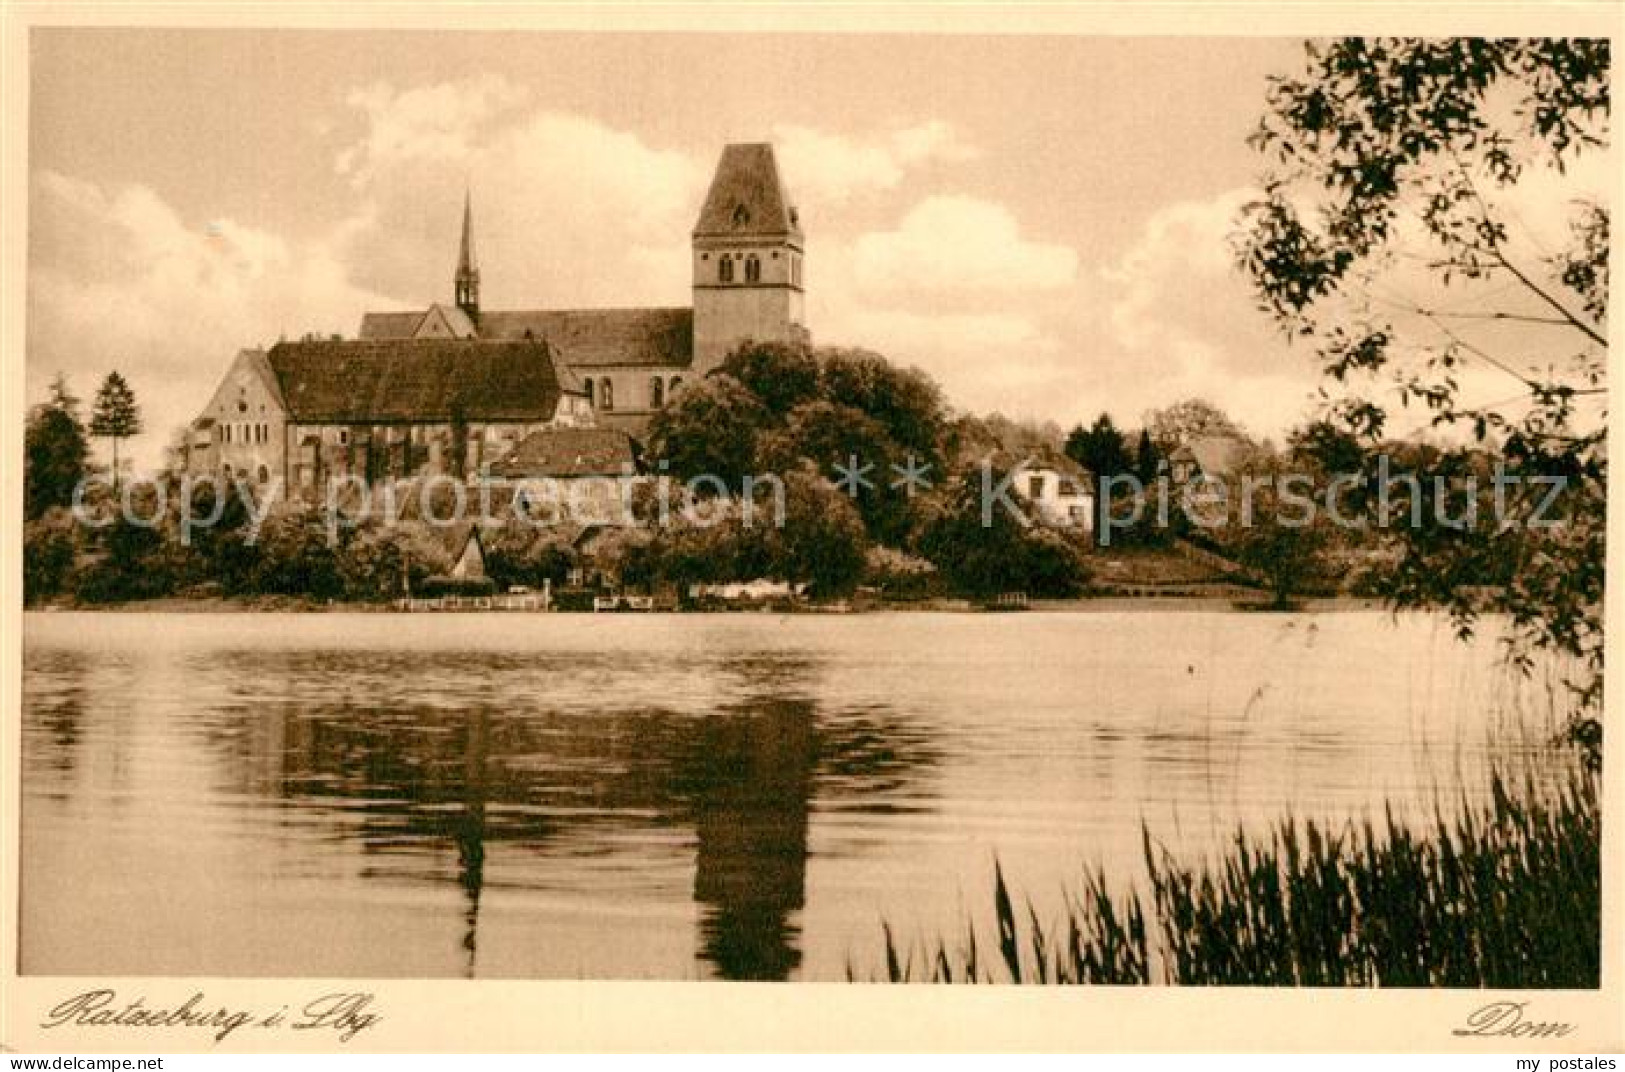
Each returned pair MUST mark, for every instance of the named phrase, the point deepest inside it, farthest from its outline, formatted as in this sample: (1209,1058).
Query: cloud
(435,122)
(961,244)
(568,211)
(830,169)
(1181,322)
(118,279)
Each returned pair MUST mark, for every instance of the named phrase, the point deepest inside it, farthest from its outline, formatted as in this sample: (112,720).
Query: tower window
(586,385)
(657,392)
(608,392)
(725,270)
(753,269)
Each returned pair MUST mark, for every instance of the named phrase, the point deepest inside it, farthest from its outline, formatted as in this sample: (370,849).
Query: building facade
(453,388)
(747,266)
(310,412)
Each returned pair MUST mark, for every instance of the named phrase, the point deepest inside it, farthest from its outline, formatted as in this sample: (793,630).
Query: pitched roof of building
(416,380)
(601,337)
(443,320)
(747,197)
(1216,455)
(255,360)
(390,325)
(567,452)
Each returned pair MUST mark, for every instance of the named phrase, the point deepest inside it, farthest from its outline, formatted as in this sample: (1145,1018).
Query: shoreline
(1114,604)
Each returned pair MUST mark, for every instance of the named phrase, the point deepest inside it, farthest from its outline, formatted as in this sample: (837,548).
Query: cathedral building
(747,250)
(457,388)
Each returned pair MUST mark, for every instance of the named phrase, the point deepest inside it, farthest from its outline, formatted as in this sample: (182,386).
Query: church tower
(467,287)
(747,256)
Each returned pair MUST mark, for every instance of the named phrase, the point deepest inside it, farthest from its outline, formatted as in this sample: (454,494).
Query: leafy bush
(49,546)
(898,574)
(986,555)
(376,557)
(294,554)
(524,554)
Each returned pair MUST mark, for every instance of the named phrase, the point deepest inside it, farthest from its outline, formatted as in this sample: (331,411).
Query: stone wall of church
(319,453)
(239,433)
(631,388)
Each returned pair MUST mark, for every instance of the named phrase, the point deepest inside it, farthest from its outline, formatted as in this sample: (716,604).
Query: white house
(1059,490)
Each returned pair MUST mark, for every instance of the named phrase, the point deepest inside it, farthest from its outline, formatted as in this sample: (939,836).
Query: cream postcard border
(455,1015)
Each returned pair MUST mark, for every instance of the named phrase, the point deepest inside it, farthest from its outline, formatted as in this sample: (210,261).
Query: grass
(1506,894)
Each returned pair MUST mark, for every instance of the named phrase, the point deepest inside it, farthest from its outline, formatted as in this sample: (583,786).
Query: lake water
(696,796)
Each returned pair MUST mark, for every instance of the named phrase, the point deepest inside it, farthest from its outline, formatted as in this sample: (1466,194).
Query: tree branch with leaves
(1388,237)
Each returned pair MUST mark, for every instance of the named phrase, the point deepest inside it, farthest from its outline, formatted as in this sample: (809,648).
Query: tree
(1274,525)
(519,553)
(1327,445)
(54,452)
(1100,448)
(1146,458)
(1103,452)
(380,560)
(826,435)
(822,540)
(906,402)
(115,415)
(1194,418)
(988,554)
(1388,237)
(50,544)
(780,375)
(295,556)
(710,428)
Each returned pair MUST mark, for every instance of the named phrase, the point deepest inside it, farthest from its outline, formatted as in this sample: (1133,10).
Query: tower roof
(465,254)
(746,196)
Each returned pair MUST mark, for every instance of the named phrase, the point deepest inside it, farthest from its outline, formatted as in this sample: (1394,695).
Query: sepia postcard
(964,527)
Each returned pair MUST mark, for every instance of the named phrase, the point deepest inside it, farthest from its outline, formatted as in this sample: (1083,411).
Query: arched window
(725,269)
(753,269)
(657,392)
(676,382)
(586,385)
(265,475)
(608,393)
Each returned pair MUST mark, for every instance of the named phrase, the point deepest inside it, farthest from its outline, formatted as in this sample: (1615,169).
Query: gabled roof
(747,197)
(416,380)
(567,452)
(601,337)
(1215,455)
(437,321)
(390,325)
(255,361)
(582,338)
(445,321)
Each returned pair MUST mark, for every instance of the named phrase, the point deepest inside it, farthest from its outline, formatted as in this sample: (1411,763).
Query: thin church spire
(468,273)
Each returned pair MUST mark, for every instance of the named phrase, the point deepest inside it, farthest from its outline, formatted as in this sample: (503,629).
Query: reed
(1504,894)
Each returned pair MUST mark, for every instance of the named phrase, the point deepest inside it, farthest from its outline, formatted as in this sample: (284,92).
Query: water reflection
(729,797)
(749,795)
(410,782)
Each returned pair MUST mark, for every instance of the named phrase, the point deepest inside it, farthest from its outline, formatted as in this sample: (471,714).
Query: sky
(1038,222)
